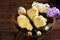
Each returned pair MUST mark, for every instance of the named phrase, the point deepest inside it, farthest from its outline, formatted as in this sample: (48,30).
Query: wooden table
(8,30)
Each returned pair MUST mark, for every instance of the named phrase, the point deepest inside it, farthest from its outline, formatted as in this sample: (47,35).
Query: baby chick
(22,21)
(32,13)
(39,21)
(40,6)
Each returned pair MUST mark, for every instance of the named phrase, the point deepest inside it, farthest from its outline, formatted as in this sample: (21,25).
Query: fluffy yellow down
(39,21)
(24,22)
(29,27)
(40,6)
(32,13)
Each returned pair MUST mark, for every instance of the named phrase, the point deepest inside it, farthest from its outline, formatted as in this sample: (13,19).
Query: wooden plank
(8,30)
(7,35)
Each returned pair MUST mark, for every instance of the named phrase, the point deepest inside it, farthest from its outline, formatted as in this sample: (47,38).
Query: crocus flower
(52,12)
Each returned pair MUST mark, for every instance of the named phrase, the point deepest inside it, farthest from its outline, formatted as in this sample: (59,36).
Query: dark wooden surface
(8,30)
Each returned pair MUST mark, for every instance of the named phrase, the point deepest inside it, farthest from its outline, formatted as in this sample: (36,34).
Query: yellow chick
(32,13)
(39,21)
(22,21)
(40,6)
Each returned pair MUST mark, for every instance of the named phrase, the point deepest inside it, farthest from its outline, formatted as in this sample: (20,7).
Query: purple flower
(53,12)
